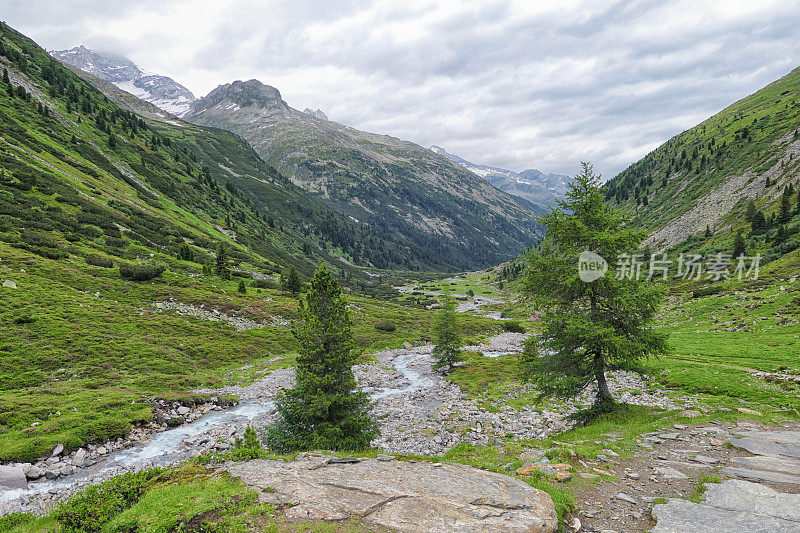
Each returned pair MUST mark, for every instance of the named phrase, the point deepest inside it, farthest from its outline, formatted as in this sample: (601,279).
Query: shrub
(264,284)
(505,313)
(96,260)
(707,291)
(94,506)
(141,272)
(386,325)
(513,326)
(10,521)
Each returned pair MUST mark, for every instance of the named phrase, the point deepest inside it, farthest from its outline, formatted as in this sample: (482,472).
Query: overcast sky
(510,84)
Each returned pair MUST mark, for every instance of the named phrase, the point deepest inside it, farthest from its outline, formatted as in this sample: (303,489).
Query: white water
(416,381)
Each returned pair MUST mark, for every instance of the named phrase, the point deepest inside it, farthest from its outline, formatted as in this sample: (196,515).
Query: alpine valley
(223,314)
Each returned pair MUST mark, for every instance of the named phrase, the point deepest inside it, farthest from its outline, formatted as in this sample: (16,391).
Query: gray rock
(57,450)
(34,472)
(704,459)
(671,473)
(760,475)
(403,496)
(183,410)
(762,446)
(102,450)
(633,475)
(13,477)
(731,507)
(385,458)
(80,457)
(9,284)
(626,498)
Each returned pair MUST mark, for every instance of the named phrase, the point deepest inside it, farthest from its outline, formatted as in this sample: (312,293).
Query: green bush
(10,521)
(505,313)
(141,272)
(513,326)
(94,506)
(97,260)
(707,291)
(386,325)
(264,284)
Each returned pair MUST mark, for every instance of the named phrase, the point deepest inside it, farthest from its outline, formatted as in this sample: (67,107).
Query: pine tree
(221,267)
(292,281)
(739,246)
(242,287)
(323,410)
(6,79)
(708,232)
(588,327)
(759,223)
(786,207)
(751,211)
(447,349)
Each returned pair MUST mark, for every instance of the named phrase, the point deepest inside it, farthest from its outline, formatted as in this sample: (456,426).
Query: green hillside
(707,175)
(104,214)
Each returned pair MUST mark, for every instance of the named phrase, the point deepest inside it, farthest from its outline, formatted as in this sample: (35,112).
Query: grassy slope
(714,152)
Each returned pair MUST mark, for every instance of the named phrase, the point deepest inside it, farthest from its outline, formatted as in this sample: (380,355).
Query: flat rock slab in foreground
(733,506)
(12,477)
(414,497)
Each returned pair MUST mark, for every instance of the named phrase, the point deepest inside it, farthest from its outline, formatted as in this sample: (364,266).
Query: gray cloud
(511,84)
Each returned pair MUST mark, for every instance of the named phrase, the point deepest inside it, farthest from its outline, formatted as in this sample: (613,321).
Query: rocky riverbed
(418,409)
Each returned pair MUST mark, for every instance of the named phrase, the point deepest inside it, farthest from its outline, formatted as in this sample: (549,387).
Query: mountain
(707,176)
(162,91)
(318,113)
(412,196)
(532,185)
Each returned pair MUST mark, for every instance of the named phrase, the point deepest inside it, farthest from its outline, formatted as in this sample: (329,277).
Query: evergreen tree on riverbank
(324,410)
(448,342)
(589,327)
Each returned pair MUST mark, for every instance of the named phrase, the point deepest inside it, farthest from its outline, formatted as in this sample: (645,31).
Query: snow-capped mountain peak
(162,91)
(532,185)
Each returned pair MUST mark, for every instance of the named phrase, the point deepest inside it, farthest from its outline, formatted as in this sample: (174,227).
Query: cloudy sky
(511,84)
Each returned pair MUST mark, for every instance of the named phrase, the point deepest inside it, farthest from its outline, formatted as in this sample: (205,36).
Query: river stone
(183,410)
(13,477)
(57,450)
(9,284)
(80,457)
(732,506)
(413,497)
(34,472)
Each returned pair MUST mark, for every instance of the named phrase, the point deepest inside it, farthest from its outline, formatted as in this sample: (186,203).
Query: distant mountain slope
(532,185)
(129,187)
(707,175)
(161,91)
(413,196)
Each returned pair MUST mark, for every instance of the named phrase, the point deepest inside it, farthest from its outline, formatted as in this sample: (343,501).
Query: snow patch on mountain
(161,91)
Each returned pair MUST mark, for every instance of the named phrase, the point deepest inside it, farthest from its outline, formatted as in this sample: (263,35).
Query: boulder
(34,472)
(400,495)
(13,477)
(183,410)
(80,457)
(57,450)
(9,284)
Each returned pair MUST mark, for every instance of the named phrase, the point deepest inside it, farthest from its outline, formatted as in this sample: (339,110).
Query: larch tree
(589,327)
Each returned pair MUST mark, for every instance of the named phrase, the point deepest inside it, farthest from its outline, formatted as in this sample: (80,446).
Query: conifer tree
(739,246)
(292,281)
(242,287)
(445,329)
(759,223)
(221,267)
(786,206)
(323,410)
(588,327)
(751,211)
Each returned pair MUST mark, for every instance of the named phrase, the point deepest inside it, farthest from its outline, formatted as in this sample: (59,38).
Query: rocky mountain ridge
(531,184)
(162,91)
(412,195)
